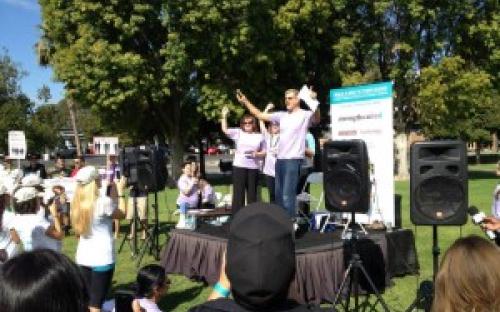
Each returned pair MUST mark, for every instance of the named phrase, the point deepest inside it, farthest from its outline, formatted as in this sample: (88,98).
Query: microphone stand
(425,293)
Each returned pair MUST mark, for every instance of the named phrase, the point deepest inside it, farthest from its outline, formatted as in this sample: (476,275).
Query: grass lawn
(184,293)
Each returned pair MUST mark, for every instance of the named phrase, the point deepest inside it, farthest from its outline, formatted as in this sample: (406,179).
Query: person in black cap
(260,263)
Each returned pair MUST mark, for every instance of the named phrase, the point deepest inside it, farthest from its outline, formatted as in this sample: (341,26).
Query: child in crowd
(152,284)
(207,194)
(60,200)
(188,192)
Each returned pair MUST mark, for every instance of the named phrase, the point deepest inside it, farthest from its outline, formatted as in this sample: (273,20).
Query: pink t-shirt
(293,131)
(246,143)
(271,152)
(189,184)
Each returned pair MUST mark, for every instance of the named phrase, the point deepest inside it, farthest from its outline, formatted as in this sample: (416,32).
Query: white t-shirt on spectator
(293,130)
(148,305)
(31,229)
(97,248)
(5,239)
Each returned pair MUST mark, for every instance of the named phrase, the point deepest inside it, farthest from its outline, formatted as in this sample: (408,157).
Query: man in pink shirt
(294,123)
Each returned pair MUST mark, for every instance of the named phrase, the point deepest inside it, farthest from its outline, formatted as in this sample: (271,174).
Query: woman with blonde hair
(92,212)
(469,277)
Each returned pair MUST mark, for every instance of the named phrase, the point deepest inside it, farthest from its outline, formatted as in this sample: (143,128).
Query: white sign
(106,145)
(17,145)
(366,112)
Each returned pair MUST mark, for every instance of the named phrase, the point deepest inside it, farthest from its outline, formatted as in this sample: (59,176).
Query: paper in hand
(305,95)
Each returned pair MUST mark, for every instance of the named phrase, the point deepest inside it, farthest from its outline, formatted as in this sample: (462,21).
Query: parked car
(223,148)
(212,150)
(65,152)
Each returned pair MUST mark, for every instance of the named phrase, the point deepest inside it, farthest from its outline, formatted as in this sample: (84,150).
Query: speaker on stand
(438,191)
(146,172)
(346,182)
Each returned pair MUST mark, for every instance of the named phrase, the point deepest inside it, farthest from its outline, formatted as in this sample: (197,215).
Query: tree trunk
(478,153)
(401,156)
(72,116)
(494,142)
(177,142)
(177,155)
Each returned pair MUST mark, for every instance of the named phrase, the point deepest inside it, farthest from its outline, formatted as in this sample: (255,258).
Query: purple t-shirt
(246,143)
(187,184)
(293,131)
(271,152)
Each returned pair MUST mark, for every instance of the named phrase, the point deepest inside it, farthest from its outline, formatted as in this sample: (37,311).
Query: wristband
(221,290)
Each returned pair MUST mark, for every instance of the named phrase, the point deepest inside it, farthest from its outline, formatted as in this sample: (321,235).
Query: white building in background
(105,145)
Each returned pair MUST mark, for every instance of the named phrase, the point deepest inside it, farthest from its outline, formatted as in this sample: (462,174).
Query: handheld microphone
(478,219)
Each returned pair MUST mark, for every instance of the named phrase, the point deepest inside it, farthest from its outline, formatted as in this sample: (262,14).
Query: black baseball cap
(260,256)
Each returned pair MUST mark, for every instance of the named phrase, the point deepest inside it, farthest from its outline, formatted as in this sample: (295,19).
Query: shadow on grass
(482,174)
(176,298)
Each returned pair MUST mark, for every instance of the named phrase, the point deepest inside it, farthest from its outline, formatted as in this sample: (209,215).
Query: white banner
(17,145)
(366,112)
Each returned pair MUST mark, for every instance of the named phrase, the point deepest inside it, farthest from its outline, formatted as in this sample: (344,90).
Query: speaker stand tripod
(152,242)
(352,275)
(425,293)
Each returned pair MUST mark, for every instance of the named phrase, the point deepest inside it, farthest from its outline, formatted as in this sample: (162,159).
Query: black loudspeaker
(144,167)
(346,180)
(438,183)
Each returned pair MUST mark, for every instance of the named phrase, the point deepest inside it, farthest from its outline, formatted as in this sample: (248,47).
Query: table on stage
(320,258)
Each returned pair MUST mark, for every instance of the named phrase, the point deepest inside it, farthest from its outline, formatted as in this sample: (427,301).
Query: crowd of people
(259,263)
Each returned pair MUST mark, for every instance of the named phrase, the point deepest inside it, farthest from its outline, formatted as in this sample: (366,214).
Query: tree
(15,107)
(43,94)
(455,101)
(138,64)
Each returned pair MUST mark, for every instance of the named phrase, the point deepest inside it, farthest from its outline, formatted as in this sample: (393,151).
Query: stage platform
(320,258)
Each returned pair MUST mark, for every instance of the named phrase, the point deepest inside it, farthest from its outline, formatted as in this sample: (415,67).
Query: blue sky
(19,20)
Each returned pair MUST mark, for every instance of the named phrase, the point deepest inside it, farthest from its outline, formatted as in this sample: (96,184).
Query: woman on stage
(92,214)
(250,147)
(272,137)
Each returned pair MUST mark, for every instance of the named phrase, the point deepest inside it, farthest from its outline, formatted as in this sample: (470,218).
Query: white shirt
(148,305)
(31,229)
(5,239)
(293,130)
(97,248)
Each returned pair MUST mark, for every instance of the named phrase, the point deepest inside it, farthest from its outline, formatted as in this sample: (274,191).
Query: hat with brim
(32,180)
(86,175)
(25,193)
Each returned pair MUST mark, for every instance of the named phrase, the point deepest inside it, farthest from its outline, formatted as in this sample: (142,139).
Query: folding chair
(314,178)
(305,197)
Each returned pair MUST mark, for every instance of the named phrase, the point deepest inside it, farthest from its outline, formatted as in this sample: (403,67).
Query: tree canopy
(156,67)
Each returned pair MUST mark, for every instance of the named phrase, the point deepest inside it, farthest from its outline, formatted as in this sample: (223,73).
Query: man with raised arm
(293,123)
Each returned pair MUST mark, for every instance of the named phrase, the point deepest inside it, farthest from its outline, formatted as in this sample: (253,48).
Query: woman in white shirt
(92,214)
(29,225)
